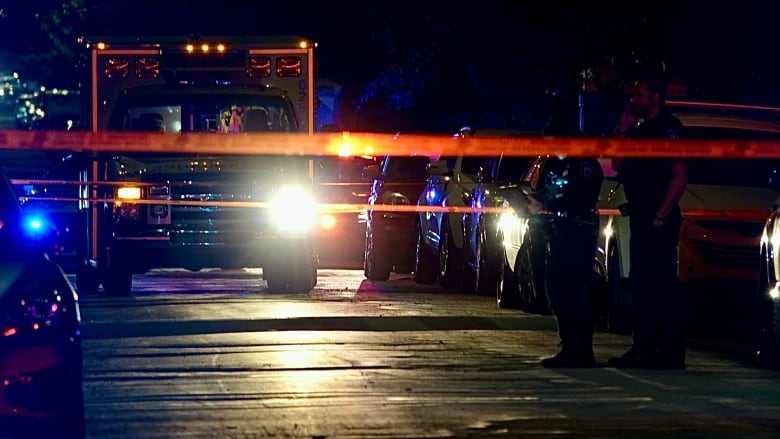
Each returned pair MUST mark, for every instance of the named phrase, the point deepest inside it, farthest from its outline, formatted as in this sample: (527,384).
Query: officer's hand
(627,119)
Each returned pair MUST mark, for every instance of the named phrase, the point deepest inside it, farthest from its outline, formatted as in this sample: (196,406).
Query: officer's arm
(675,189)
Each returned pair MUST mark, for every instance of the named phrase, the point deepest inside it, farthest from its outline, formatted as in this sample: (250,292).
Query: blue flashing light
(34,226)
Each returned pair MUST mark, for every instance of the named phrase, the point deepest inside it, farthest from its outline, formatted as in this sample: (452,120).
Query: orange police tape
(376,144)
(372,144)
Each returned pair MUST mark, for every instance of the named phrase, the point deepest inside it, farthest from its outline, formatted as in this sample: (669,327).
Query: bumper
(40,382)
(394,234)
(143,254)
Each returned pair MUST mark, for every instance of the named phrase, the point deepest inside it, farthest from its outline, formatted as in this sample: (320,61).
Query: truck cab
(175,209)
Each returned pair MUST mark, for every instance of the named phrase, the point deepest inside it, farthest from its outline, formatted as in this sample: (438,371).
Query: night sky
(428,49)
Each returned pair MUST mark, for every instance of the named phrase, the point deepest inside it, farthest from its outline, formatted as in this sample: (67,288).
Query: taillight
(116,68)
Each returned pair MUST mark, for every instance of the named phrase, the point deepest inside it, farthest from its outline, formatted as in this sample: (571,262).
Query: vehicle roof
(728,121)
(726,115)
(245,41)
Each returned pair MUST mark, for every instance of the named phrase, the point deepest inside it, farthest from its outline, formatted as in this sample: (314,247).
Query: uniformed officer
(564,206)
(653,189)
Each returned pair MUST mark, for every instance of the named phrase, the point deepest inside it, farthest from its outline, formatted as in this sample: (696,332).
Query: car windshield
(213,113)
(412,168)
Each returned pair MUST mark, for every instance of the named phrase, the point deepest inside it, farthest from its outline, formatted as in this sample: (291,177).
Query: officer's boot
(575,353)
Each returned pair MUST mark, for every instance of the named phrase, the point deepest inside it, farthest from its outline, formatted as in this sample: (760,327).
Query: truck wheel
(375,267)
(87,278)
(296,273)
(118,282)
(117,277)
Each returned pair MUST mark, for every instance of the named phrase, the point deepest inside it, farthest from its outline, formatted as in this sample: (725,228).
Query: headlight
(293,208)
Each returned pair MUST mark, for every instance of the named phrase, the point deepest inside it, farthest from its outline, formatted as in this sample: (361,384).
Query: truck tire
(118,282)
(87,278)
(294,273)
(117,277)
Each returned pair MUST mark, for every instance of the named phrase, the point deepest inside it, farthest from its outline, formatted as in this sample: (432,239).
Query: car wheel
(450,267)
(620,314)
(489,276)
(530,275)
(768,310)
(375,267)
(425,262)
(507,292)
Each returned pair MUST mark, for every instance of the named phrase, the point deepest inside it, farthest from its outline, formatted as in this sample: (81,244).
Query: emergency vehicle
(171,209)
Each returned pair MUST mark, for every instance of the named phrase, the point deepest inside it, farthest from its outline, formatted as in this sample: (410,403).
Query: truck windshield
(226,114)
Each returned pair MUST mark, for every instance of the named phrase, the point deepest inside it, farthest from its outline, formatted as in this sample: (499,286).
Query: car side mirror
(438,167)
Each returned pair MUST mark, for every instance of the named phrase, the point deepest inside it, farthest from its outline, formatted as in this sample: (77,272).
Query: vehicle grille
(749,229)
(736,256)
(214,225)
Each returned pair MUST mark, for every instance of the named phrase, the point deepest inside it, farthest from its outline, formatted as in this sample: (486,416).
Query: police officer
(653,188)
(564,206)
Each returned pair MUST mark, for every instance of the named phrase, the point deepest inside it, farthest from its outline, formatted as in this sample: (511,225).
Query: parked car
(391,236)
(493,238)
(339,234)
(440,237)
(768,293)
(40,338)
(724,207)
(507,248)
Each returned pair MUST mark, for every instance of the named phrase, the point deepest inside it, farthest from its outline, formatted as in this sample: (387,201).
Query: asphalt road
(212,354)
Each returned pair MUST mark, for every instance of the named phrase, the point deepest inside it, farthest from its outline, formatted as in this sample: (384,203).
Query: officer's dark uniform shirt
(645,179)
(571,187)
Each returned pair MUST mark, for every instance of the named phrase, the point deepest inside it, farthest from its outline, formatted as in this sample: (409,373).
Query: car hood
(26,269)
(727,197)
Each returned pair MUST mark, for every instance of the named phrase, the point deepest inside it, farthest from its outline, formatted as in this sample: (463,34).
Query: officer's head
(647,95)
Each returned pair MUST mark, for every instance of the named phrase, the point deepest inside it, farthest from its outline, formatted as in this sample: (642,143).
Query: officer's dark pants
(570,255)
(656,292)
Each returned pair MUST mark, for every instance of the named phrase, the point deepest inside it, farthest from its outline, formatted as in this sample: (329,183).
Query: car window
(511,169)
(406,168)
(471,165)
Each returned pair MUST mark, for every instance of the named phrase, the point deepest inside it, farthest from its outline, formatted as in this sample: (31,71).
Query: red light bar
(147,67)
(288,66)
(259,67)
(116,67)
